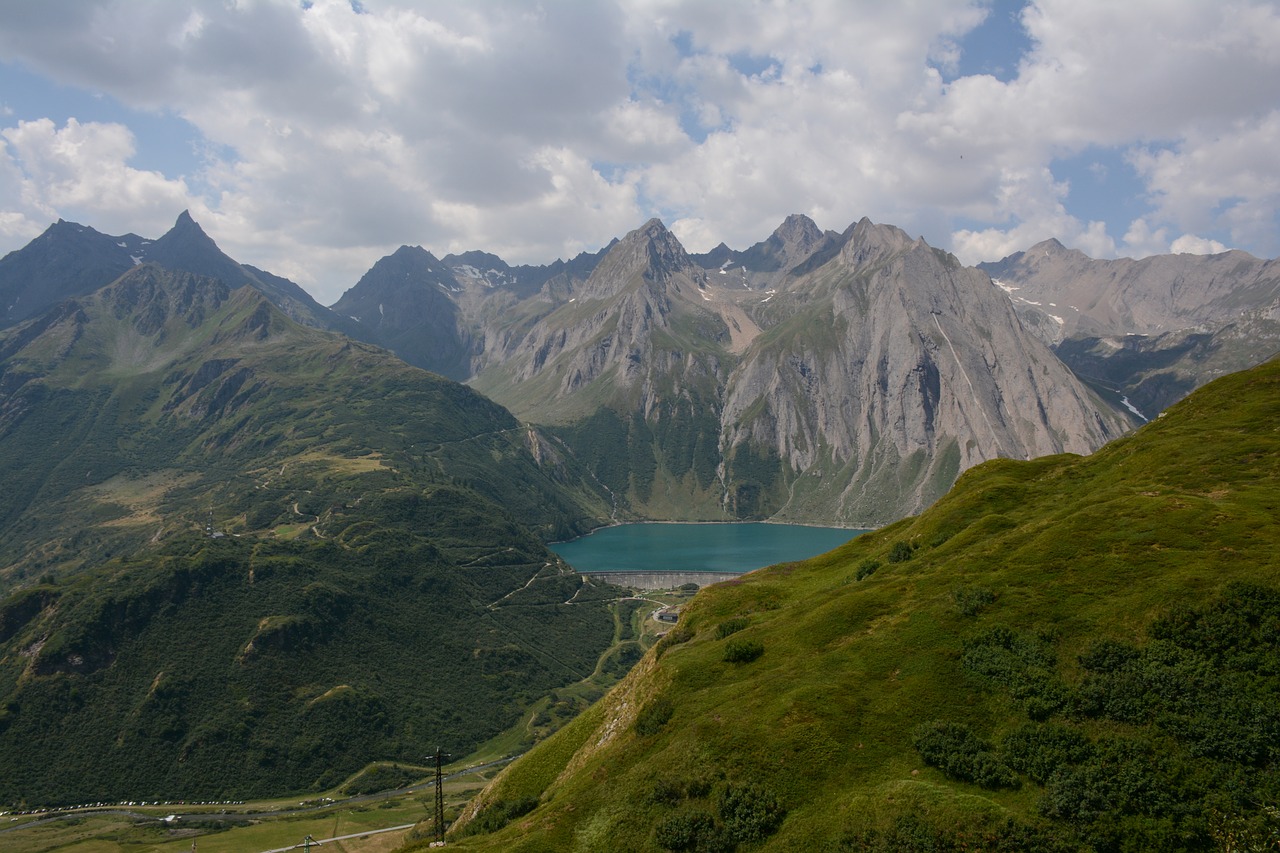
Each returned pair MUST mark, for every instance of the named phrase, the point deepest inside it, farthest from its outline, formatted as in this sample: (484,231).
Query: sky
(312,138)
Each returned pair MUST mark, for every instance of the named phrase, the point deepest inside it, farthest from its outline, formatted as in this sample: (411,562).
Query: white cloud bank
(334,135)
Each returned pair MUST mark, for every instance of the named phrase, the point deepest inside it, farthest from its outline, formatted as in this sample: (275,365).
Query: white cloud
(1192,245)
(1220,178)
(82,170)
(537,131)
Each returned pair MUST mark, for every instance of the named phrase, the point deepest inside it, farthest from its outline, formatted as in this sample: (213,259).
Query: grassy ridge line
(1077,549)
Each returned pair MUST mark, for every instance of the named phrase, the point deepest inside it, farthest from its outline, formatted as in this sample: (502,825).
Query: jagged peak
(798,228)
(413,253)
(476,258)
(186,231)
(652,227)
(866,242)
(650,251)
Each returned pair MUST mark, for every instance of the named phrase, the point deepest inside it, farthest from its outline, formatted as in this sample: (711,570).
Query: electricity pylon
(440,756)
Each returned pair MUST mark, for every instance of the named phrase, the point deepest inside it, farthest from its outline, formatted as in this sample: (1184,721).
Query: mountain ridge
(738,403)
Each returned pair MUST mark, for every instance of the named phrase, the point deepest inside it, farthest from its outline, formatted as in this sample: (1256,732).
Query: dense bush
(674,637)
(901,552)
(653,716)
(741,813)
(742,651)
(866,569)
(749,811)
(1039,750)
(955,750)
(1024,664)
(691,829)
(972,600)
(911,833)
(732,626)
(1191,752)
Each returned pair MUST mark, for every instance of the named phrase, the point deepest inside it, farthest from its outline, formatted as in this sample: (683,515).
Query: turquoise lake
(698,547)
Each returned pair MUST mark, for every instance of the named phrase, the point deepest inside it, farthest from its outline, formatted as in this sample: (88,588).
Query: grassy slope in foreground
(1020,622)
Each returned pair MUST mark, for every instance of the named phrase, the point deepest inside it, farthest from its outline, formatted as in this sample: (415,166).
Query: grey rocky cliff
(1147,332)
(854,390)
(921,371)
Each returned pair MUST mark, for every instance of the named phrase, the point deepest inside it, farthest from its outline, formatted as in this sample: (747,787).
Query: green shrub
(733,626)
(666,792)
(742,651)
(749,811)
(972,600)
(959,753)
(653,716)
(674,637)
(901,552)
(1025,664)
(691,829)
(1039,750)
(866,569)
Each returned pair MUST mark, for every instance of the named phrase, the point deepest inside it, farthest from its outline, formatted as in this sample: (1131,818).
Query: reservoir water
(732,547)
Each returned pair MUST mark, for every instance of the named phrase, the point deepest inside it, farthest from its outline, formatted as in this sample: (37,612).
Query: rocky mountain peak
(187,247)
(867,243)
(665,253)
(66,261)
(799,231)
(477,260)
(650,252)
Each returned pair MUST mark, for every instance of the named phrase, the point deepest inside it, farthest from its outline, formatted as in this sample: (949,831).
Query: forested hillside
(243,556)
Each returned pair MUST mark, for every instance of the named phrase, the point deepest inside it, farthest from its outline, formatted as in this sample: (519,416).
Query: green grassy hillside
(375,583)
(131,414)
(1069,653)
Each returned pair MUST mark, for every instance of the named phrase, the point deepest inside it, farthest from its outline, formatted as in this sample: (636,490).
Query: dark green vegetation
(1064,654)
(228,669)
(369,593)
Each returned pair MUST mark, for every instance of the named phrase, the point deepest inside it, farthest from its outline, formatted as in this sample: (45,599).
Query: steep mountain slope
(883,374)
(795,243)
(447,315)
(187,248)
(1152,372)
(71,260)
(66,260)
(403,300)
(253,537)
(1068,653)
(1149,330)
(204,391)
(630,370)
(867,374)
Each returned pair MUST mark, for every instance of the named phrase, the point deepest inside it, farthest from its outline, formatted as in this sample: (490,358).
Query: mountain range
(230,512)
(818,376)
(822,377)
(1150,330)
